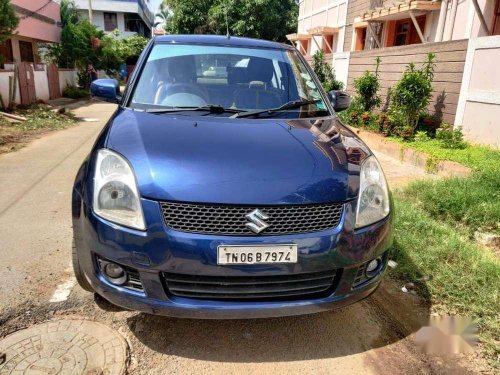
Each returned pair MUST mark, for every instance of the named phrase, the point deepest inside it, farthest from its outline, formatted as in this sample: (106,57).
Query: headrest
(182,69)
(260,69)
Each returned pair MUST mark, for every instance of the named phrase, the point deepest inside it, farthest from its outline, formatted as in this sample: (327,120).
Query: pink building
(39,22)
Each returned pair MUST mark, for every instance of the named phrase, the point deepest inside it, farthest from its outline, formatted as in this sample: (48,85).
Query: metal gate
(26,83)
(53,78)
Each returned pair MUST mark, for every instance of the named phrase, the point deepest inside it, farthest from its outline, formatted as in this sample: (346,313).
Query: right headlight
(116,197)
(373,198)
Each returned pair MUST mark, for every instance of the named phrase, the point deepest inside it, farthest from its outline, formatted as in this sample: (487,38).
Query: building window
(26,49)
(110,22)
(403,32)
(327,43)
(360,39)
(6,52)
(495,25)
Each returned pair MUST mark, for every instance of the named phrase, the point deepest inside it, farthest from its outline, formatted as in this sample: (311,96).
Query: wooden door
(26,78)
(53,78)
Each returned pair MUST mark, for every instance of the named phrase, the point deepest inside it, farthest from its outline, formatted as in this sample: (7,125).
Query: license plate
(256,254)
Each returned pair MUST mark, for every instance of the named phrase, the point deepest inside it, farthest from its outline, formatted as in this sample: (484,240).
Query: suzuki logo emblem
(256,221)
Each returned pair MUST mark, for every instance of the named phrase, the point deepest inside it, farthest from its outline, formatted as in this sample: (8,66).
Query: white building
(128,16)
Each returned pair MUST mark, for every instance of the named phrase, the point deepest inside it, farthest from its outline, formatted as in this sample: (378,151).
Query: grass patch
(39,119)
(472,203)
(42,117)
(74,92)
(465,277)
(480,158)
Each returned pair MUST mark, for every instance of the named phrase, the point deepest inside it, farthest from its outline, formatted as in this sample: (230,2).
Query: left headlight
(373,198)
(116,197)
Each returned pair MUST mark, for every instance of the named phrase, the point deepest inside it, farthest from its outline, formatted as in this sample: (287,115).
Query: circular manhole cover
(64,347)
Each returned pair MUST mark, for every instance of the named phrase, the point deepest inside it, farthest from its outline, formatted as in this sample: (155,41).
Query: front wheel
(80,277)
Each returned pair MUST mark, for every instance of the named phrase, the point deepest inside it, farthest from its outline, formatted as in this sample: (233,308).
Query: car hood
(216,159)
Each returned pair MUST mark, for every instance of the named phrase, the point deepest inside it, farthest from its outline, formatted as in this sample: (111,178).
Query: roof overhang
(399,10)
(323,30)
(294,37)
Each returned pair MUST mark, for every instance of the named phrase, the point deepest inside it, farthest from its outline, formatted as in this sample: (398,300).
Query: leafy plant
(8,22)
(421,136)
(367,87)
(325,72)
(74,92)
(451,137)
(412,93)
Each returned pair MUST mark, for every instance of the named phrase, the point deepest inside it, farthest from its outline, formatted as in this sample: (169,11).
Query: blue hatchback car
(225,186)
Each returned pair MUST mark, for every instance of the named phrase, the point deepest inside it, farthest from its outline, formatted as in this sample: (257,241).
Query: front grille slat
(305,285)
(230,220)
(204,288)
(311,293)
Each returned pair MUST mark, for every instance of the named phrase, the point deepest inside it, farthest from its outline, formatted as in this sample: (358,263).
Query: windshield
(246,79)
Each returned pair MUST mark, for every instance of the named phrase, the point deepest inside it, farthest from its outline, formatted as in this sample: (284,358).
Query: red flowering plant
(366,118)
(428,123)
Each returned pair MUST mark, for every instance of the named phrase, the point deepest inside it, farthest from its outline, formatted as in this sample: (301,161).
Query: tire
(79,275)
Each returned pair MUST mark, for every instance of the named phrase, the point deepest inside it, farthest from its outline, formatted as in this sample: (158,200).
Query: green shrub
(451,137)
(367,87)
(421,136)
(74,92)
(412,93)
(325,72)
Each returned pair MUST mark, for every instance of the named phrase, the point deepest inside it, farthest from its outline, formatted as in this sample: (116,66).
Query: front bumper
(161,249)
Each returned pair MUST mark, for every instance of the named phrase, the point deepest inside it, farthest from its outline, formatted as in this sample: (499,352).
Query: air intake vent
(252,288)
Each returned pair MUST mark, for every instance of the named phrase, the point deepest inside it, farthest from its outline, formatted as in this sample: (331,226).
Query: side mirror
(106,89)
(340,100)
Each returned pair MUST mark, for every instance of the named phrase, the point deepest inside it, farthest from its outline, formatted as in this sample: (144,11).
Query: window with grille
(110,22)
(26,49)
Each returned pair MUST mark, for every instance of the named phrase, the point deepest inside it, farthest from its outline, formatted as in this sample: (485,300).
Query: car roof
(221,40)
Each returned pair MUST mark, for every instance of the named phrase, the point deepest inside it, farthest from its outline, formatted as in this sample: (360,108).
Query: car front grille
(230,220)
(252,288)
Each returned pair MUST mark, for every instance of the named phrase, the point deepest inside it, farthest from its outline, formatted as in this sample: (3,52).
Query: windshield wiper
(289,105)
(212,108)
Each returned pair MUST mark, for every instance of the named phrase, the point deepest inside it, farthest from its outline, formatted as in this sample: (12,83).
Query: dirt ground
(374,336)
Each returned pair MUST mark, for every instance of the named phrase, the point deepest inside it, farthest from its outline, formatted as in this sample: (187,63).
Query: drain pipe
(453,16)
(441,20)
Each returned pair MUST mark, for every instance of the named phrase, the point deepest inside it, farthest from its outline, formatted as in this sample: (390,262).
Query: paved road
(372,337)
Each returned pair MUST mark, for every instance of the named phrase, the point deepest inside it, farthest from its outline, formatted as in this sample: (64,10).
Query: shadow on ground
(382,319)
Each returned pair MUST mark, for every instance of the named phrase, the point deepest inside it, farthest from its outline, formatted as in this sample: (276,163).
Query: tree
(264,19)
(164,15)
(367,87)
(68,11)
(8,21)
(116,50)
(325,72)
(79,46)
(413,91)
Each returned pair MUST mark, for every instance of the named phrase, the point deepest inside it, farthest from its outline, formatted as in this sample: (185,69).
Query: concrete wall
(4,86)
(478,109)
(66,77)
(43,24)
(450,60)
(354,9)
(332,13)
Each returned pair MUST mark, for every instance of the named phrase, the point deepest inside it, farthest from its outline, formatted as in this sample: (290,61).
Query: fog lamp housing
(113,272)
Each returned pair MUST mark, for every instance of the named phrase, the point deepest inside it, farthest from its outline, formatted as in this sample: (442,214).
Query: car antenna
(227,24)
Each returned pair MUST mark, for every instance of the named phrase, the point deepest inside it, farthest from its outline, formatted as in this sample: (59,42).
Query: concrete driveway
(36,285)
